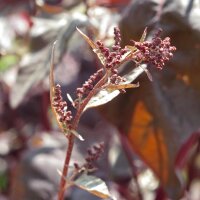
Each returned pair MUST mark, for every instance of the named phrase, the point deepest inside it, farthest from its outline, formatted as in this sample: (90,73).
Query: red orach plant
(156,52)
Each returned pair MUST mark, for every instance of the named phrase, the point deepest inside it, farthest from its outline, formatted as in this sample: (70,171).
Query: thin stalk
(65,167)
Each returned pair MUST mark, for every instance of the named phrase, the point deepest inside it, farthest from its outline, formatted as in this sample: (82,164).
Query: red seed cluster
(113,58)
(156,52)
(60,106)
(93,154)
(117,46)
(89,84)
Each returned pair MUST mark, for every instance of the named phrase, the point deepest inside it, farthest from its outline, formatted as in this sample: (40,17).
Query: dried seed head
(93,155)
(156,52)
(60,106)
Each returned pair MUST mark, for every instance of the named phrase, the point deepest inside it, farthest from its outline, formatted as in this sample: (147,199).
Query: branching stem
(71,137)
(155,52)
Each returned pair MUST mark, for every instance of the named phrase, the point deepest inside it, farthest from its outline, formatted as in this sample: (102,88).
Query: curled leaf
(87,39)
(93,185)
(51,76)
(52,86)
(94,47)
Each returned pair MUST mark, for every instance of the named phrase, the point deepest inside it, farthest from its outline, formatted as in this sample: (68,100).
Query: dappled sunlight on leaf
(112,87)
(93,185)
(134,73)
(101,98)
(106,95)
(148,141)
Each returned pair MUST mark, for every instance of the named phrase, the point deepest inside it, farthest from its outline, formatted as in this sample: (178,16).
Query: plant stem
(71,136)
(65,167)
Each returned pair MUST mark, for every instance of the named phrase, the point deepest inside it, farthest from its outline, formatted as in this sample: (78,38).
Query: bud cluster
(156,52)
(93,154)
(113,58)
(60,106)
(89,84)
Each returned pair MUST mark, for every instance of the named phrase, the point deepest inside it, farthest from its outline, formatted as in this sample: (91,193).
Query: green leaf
(93,185)
(7,61)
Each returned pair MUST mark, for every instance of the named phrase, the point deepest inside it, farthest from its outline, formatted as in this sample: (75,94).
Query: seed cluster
(156,52)
(60,106)
(113,58)
(89,84)
(93,154)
